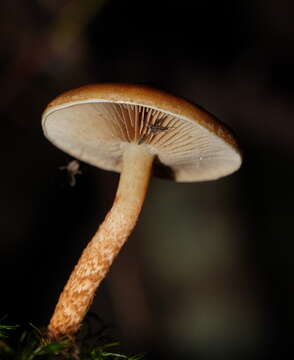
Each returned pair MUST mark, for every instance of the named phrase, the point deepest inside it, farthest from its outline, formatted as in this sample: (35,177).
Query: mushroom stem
(99,254)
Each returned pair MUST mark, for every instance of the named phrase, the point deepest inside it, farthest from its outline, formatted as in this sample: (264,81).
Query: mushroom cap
(95,123)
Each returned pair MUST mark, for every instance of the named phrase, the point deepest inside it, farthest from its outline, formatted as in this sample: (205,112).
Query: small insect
(155,128)
(73,169)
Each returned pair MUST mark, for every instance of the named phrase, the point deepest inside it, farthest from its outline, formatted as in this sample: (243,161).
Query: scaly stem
(99,254)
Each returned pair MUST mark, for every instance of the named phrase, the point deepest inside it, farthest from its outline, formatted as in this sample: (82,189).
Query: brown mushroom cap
(95,123)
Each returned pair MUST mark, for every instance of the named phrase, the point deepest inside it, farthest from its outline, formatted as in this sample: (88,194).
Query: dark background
(208,272)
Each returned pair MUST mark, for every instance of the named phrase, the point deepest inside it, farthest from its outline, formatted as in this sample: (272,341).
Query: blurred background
(208,272)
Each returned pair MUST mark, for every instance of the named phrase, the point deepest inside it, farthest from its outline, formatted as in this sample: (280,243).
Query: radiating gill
(143,125)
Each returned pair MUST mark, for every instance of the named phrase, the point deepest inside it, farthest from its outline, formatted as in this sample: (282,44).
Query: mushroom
(131,129)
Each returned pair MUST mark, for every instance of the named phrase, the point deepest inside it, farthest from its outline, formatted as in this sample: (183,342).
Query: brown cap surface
(95,123)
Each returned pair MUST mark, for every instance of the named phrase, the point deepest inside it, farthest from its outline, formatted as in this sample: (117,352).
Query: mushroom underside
(98,132)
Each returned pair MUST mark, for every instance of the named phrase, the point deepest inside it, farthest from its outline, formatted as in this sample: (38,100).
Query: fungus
(134,130)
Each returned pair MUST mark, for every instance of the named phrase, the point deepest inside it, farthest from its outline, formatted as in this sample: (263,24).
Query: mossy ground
(31,343)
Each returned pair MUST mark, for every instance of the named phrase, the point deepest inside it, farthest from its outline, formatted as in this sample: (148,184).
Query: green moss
(31,343)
